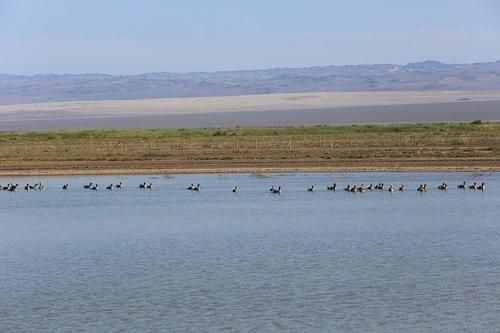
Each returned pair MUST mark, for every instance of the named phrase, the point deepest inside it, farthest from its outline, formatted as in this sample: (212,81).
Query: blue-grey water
(171,260)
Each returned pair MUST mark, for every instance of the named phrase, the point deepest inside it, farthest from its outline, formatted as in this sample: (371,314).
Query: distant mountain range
(421,76)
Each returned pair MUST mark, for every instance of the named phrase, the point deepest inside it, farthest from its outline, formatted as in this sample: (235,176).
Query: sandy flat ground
(256,110)
(259,167)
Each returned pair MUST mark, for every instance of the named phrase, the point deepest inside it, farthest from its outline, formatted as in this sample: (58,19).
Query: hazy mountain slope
(429,75)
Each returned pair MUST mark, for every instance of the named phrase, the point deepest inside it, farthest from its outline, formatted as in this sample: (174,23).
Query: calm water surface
(170,260)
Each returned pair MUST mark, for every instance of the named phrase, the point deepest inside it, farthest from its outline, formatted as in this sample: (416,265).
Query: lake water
(171,260)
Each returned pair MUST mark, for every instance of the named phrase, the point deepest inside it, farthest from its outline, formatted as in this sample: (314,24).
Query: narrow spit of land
(410,147)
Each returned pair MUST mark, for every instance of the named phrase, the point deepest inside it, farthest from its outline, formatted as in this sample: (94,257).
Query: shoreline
(248,167)
(460,147)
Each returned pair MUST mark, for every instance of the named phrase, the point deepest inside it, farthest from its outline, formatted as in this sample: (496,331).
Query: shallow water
(171,260)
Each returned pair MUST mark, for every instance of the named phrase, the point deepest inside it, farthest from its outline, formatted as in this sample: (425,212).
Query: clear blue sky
(134,36)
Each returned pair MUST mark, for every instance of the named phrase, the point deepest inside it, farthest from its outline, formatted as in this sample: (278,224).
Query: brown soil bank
(418,147)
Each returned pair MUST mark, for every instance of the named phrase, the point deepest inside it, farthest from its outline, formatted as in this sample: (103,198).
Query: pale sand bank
(209,167)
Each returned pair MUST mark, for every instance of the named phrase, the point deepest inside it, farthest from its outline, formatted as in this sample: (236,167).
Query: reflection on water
(173,260)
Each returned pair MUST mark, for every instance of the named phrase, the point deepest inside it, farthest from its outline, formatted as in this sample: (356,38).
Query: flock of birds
(402,188)
(13,187)
(354,188)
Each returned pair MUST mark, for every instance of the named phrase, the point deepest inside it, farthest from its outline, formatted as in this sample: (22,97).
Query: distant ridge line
(427,75)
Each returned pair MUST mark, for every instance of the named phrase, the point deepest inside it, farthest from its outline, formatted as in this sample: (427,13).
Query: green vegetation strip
(435,128)
(425,141)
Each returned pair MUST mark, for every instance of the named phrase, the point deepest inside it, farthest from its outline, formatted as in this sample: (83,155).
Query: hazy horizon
(127,37)
(250,69)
